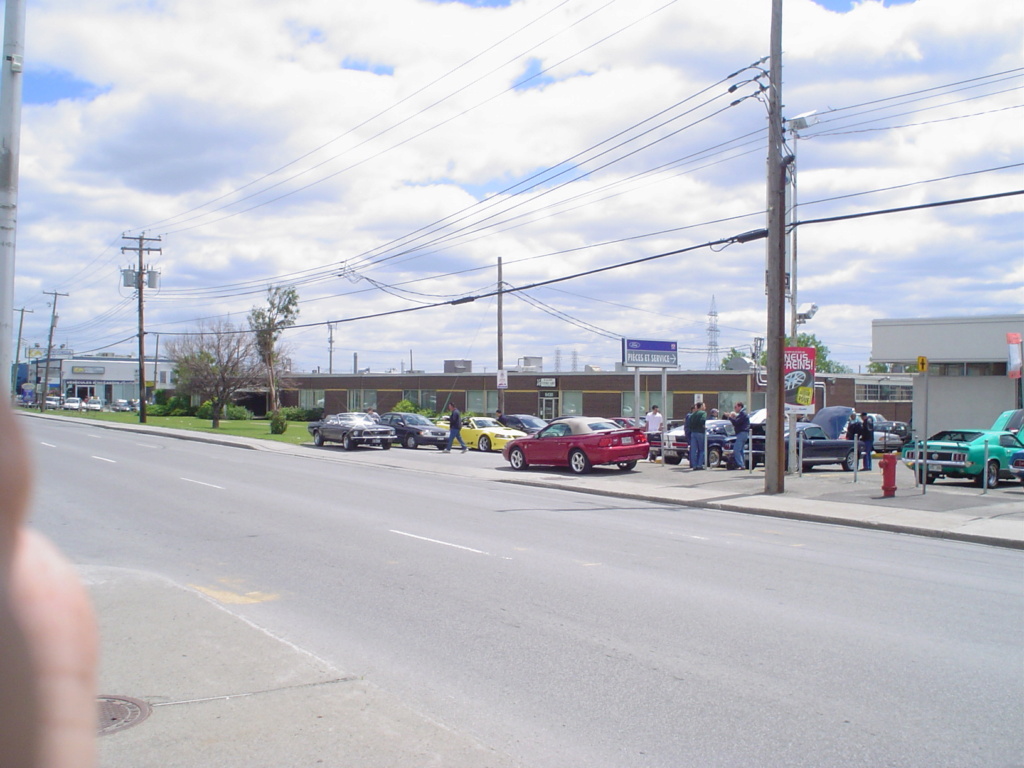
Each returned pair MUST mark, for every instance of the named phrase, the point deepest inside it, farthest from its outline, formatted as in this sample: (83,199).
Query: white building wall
(944,339)
(961,401)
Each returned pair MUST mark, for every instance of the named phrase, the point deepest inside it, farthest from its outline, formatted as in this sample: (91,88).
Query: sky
(382,155)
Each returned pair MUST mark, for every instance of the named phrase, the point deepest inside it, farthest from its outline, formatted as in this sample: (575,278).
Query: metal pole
(774,476)
(10,151)
(17,352)
(501,338)
(49,350)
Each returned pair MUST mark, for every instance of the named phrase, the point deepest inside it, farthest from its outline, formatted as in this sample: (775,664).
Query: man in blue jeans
(741,424)
(698,437)
(454,429)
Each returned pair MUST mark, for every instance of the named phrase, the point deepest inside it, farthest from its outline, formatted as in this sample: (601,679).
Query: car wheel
(386,445)
(348,443)
(625,466)
(517,459)
(484,444)
(579,463)
(990,477)
(318,439)
(931,478)
(410,441)
(850,462)
(673,459)
(714,457)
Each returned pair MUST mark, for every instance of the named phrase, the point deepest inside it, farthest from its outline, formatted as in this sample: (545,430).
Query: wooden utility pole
(140,281)
(774,476)
(501,339)
(49,348)
(17,350)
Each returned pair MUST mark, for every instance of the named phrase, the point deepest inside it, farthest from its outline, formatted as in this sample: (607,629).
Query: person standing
(698,437)
(741,424)
(654,421)
(500,418)
(865,430)
(454,429)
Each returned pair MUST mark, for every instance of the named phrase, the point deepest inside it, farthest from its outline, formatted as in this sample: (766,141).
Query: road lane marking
(235,596)
(444,543)
(100,458)
(200,482)
(48,445)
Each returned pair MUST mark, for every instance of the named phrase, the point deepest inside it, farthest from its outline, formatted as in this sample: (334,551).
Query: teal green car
(982,455)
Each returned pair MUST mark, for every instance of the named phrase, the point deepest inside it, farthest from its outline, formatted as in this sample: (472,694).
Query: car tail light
(604,442)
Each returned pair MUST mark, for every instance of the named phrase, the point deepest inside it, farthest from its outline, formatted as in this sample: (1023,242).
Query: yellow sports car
(484,433)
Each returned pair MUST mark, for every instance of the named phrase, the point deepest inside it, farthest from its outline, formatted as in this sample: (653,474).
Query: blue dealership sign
(650,354)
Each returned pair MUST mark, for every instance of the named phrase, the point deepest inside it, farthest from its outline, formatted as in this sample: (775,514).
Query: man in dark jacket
(698,437)
(454,428)
(865,431)
(741,423)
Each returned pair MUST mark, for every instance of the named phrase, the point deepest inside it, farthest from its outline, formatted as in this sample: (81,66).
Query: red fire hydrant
(888,465)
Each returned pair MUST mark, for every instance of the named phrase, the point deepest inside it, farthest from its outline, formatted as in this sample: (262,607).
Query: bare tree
(267,323)
(216,363)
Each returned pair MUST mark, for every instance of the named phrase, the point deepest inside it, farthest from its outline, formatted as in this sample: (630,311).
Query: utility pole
(501,339)
(330,347)
(140,281)
(49,348)
(774,476)
(17,350)
(10,151)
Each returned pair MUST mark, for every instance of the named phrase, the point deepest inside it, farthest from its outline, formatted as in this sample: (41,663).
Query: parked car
(351,430)
(525,423)
(72,404)
(622,421)
(414,429)
(1017,466)
(53,404)
(961,454)
(120,406)
(1010,421)
(579,443)
(816,446)
(487,434)
(94,404)
(720,435)
(889,435)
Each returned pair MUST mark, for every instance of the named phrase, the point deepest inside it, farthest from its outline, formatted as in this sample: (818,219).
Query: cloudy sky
(382,155)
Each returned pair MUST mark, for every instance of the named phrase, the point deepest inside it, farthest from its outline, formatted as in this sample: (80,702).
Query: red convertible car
(579,443)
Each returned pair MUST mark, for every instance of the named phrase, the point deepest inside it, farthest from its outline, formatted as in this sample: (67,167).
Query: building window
(361,399)
(421,398)
(647,399)
(311,398)
(884,393)
(572,403)
(481,401)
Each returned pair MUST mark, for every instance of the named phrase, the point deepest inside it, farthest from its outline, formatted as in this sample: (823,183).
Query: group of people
(696,432)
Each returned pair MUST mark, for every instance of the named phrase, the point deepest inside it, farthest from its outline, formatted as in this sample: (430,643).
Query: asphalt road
(566,629)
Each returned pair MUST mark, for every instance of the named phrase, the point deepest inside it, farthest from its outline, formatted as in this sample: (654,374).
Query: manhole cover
(119,712)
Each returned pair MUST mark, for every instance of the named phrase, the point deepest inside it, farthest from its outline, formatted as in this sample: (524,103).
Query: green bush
(157,410)
(230,412)
(294,413)
(278,423)
(238,412)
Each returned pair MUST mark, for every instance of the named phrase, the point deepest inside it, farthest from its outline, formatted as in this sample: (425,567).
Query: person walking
(454,429)
(654,421)
(741,424)
(698,437)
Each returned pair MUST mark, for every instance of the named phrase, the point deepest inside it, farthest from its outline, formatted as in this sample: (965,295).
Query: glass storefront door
(547,406)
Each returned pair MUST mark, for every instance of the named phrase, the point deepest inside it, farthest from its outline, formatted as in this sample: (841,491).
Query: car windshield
(481,422)
(533,421)
(955,436)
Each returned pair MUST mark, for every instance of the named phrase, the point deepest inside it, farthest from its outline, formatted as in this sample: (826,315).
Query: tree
(267,323)
(215,364)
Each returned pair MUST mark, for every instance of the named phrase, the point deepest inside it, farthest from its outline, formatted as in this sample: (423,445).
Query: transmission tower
(714,361)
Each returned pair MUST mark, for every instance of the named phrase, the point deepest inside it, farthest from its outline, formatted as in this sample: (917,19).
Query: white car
(53,403)
(94,404)
(72,404)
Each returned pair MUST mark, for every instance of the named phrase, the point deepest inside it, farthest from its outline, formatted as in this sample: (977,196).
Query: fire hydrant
(888,465)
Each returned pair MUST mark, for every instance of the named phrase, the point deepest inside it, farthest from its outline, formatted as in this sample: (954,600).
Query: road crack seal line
(229,696)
